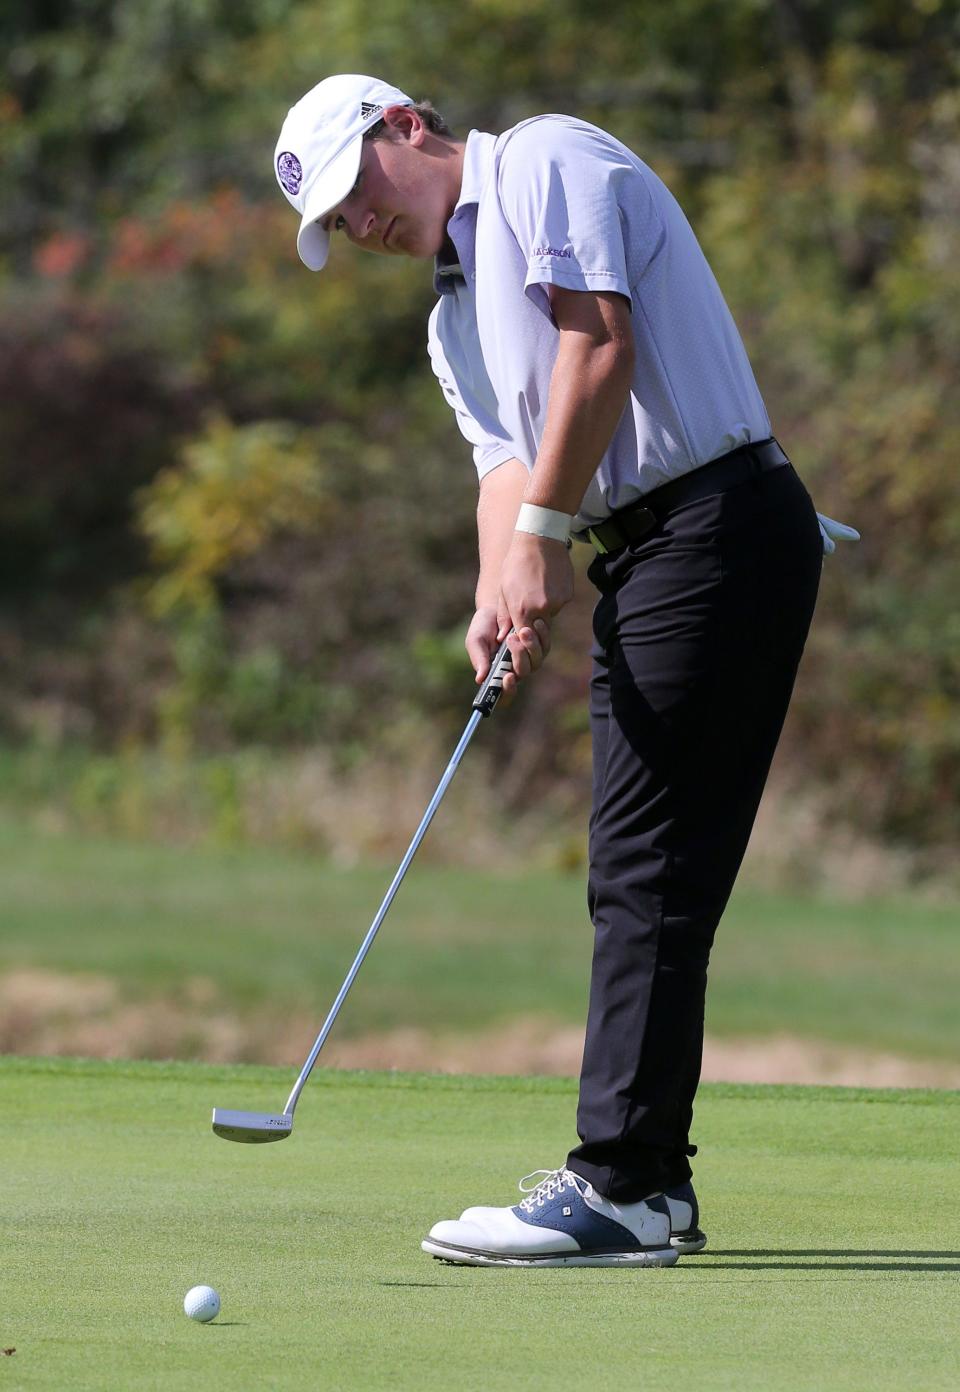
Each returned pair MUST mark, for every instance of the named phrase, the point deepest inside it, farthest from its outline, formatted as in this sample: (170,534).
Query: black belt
(633,522)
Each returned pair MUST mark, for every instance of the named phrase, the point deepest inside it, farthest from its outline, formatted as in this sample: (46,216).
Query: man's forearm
(528,576)
(501,493)
(588,390)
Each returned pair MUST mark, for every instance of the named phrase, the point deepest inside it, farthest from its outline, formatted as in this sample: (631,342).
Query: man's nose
(361,223)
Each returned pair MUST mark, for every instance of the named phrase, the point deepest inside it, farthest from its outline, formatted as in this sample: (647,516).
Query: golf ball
(201,1303)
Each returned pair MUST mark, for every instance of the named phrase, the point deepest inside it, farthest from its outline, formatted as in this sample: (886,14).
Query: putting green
(834,1257)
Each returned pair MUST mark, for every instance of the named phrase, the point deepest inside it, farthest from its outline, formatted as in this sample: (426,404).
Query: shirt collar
(477,166)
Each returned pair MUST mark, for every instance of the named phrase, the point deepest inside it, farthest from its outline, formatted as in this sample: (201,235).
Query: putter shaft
(483,705)
(261,1126)
(365,946)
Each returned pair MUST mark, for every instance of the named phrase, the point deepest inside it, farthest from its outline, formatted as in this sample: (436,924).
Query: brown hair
(432,119)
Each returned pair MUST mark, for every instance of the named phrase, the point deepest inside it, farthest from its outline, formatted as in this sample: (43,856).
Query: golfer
(593,365)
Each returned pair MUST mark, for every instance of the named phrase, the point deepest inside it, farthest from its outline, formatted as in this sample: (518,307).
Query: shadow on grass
(823,1252)
(930,1262)
(419,1285)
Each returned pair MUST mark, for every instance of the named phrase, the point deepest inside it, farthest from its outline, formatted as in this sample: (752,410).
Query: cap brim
(331,188)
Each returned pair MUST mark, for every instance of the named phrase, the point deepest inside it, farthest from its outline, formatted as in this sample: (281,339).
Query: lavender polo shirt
(558,201)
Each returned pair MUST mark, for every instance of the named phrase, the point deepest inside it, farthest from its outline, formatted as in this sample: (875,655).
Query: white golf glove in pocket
(832,532)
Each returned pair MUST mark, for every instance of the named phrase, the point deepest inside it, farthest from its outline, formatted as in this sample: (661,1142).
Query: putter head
(252,1127)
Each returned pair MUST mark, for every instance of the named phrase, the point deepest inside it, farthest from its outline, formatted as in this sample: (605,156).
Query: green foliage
(237,488)
(86,417)
(312,541)
(253,696)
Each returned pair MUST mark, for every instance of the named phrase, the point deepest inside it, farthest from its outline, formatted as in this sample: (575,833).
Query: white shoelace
(539,1191)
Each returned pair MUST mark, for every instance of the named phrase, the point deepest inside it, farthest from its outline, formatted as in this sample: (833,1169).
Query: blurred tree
(79,413)
(815,145)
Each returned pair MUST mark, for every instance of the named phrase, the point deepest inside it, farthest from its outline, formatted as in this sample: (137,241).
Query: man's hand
(481,640)
(528,648)
(536,581)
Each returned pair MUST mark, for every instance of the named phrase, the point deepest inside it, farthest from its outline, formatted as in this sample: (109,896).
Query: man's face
(403,197)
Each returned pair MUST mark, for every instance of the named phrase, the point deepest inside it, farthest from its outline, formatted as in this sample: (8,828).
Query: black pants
(699,631)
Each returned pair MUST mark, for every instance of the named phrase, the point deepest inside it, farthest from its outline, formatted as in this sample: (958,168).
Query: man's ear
(404,123)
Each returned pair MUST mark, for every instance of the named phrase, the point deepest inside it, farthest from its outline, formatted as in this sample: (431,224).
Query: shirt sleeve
(489,451)
(578,207)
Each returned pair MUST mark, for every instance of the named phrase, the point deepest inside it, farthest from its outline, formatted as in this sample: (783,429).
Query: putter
(253,1127)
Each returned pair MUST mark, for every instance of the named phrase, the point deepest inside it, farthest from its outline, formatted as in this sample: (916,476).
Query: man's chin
(416,251)
(417,244)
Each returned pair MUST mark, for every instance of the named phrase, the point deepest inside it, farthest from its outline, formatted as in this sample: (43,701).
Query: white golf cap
(318,153)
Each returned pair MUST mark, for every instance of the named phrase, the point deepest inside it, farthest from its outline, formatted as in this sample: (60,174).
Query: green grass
(460,949)
(833,1260)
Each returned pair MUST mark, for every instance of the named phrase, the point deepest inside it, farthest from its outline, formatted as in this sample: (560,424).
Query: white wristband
(544,522)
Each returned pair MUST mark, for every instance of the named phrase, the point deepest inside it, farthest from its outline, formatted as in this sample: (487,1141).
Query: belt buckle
(649,519)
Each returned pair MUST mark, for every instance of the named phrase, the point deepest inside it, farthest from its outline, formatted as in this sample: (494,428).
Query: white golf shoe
(563,1221)
(685,1233)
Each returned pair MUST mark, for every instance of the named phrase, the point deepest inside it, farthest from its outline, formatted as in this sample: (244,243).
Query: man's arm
(588,391)
(501,493)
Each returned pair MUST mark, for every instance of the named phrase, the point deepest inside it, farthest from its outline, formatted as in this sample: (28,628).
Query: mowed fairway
(261,932)
(834,1260)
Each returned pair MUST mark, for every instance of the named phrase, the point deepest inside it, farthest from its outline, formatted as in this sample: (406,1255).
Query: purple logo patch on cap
(289,172)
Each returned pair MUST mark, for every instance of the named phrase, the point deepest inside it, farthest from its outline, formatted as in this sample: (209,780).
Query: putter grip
(489,694)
